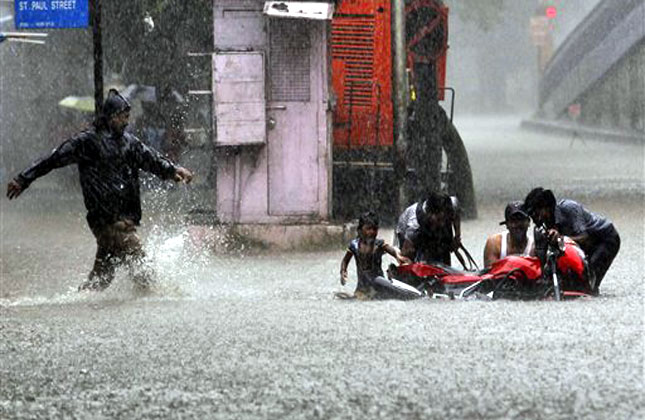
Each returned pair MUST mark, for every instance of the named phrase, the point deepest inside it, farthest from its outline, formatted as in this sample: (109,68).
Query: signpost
(98,55)
(46,14)
(542,38)
(51,14)
(539,30)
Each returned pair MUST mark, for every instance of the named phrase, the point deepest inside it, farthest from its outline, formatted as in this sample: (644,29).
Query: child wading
(368,251)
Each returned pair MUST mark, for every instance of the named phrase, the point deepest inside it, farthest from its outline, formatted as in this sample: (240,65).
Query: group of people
(109,160)
(429,231)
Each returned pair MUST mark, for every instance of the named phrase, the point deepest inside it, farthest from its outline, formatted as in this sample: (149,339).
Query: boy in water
(368,251)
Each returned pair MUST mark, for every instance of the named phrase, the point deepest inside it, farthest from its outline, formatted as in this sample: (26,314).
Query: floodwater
(261,336)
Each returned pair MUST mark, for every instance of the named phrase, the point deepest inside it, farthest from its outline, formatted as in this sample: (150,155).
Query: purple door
(294,98)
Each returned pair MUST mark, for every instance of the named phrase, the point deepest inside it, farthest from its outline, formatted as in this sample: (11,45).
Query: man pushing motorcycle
(596,235)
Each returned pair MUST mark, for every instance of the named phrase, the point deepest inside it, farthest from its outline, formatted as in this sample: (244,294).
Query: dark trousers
(117,244)
(601,255)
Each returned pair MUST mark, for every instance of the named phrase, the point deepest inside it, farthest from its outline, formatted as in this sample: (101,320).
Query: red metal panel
(443,58)
(361,73)
(362,68)
(438,22)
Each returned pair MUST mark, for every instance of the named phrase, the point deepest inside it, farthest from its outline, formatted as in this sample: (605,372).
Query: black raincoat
(108,166)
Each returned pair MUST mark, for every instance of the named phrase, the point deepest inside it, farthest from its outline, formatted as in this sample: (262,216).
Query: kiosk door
(294,98)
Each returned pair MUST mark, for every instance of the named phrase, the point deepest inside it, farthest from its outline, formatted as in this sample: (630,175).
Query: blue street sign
(44,14)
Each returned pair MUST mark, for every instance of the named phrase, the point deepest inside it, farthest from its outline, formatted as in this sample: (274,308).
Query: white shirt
(504,250)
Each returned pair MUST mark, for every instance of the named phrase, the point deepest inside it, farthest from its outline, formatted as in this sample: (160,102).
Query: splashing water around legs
(117,244)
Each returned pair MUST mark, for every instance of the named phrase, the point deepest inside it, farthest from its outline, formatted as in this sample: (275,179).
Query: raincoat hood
(115,104)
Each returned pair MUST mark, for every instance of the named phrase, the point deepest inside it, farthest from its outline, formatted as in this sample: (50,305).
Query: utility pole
(399,100)
(95,10)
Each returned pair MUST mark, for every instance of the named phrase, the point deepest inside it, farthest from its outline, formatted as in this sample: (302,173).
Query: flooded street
(262,336)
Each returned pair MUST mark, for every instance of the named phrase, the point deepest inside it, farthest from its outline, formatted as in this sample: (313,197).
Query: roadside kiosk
(271,113)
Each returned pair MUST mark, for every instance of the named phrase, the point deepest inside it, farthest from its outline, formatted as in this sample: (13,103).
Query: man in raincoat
(108,160)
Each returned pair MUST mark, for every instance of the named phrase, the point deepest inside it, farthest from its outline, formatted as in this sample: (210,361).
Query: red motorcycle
(560,272)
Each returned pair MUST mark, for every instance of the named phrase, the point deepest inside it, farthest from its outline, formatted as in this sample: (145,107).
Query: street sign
(539,30)
(45,14)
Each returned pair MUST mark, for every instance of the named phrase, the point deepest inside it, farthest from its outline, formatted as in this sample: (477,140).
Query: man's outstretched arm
(63,155)
(13,189)
(151,161)
(183,175)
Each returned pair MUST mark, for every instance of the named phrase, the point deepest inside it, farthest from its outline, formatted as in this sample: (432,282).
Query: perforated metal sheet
(290,48)
(353,42)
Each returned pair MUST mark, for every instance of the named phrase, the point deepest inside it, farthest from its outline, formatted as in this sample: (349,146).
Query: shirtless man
(514,241)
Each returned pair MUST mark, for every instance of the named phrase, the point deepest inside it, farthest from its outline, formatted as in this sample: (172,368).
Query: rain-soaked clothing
(431,246)
(108,166)
(368,265)
(372,283)
(572,219)
(117,244)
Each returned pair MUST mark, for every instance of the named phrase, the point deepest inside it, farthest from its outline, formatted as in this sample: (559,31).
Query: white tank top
(504,249)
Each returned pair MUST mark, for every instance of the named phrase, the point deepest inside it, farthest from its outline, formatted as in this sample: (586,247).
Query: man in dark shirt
(109,160)
(428,231)
(595,234)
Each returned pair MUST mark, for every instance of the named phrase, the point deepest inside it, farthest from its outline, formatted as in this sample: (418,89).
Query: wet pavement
(261,336)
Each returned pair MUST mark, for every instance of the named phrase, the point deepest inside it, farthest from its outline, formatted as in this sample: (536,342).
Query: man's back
(572,219)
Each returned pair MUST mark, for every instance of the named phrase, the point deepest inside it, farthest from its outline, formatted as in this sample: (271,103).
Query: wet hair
(368,218)
(436,202)
(539,198)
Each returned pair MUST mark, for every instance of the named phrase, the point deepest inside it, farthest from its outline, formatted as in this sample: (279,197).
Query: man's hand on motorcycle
(402,260)
(553,235)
